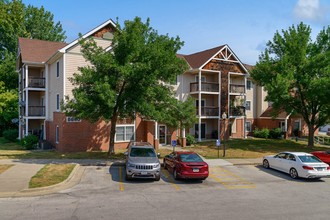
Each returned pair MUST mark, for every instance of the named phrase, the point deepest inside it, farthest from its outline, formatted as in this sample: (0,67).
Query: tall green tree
(17,20)
(131,79)
(295,71)
(8,107)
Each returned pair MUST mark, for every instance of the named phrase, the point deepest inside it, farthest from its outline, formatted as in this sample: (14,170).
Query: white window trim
(246,105)
(247,88)
(248,122)
(125,125)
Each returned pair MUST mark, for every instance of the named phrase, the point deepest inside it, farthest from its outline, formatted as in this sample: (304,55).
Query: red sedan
(323,155)
(186,165)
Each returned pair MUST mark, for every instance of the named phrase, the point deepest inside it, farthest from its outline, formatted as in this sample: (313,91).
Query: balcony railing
(206,87)
(36,110)
(237,88)
(237,111)
(37,82)
(209,111)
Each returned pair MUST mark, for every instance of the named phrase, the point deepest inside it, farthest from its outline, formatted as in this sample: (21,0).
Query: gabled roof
(37,51)
(63,50)
(268,113)
(196,60)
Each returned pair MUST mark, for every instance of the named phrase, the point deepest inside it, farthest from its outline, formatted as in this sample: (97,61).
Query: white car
(297,164)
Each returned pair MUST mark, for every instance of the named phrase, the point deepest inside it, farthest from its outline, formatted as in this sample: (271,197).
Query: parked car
(142,161)
(186,165)
(298,164)
(323,155)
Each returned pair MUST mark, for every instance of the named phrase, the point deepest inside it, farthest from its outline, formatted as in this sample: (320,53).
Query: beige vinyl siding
(99,41)
(55,86)
(251,96)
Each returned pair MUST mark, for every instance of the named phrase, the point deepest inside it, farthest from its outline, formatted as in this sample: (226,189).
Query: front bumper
(143,174)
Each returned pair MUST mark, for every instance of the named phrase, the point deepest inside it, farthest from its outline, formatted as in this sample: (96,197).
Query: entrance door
(162,134)
(202,131)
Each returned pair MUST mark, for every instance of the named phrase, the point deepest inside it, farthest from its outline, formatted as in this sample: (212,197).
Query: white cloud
(309,9)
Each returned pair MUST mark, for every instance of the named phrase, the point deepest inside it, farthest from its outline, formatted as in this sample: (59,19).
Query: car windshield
(309,159)
(142,152)
(190,158)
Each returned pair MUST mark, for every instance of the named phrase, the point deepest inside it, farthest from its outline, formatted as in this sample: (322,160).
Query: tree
(17,20)
(132,79)
(295,72)
(8,107)
(8,74)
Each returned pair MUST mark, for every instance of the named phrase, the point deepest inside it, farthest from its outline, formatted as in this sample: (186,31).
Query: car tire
(157,178)
(293,173)
(128,177)
(175,175)
(265,163)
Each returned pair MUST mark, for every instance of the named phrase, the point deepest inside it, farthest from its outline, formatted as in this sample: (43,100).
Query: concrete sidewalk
(14,181)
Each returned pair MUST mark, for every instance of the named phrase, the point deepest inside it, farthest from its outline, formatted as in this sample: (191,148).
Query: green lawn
(236,148)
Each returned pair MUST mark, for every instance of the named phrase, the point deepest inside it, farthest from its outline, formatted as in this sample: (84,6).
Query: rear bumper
(314,174)
(191,175)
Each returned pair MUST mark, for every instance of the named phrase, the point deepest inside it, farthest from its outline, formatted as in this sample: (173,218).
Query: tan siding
(100,42)
(55,86)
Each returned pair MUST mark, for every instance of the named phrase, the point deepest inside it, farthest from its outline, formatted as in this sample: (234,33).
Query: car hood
(143,160)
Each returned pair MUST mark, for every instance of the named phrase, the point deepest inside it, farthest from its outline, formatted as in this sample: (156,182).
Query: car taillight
(328,168)
(308,168)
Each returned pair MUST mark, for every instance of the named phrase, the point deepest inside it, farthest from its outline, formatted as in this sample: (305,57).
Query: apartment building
(228,103)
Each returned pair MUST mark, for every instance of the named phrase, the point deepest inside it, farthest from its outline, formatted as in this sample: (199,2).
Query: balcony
(237,88)
(209,111)
(206,87)
(36,82)
(36,110)
(237,111)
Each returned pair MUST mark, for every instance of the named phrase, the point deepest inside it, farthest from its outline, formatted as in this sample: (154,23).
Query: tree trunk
(112,134)
(311,136)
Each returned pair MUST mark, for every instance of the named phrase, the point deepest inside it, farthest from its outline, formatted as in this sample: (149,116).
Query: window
(72,119)
(57,131)
(248,105)
(296,126)
(124,133)
(57,101)
(248,126)
(57,69)
(203,79)
(248,84)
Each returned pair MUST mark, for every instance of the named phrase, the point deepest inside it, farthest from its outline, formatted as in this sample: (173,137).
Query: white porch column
(199,105)
(156,130)
(183,131)
(26,127)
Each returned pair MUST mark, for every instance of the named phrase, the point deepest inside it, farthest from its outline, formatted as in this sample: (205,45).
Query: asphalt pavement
(14,182)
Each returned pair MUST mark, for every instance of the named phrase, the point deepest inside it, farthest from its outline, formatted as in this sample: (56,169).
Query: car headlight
(156,165)
(131,165)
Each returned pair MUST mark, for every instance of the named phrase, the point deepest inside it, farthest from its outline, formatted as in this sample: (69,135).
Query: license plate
(320,168)
(195,170)
(144,173)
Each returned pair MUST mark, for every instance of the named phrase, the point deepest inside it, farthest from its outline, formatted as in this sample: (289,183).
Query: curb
(73,179)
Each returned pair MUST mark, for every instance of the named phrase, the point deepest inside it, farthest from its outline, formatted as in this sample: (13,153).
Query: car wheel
(157,178)
(265,164)
(128,177)
(293,173)
(175,174)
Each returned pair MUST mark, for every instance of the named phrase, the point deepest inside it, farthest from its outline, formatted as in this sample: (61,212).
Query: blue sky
(245,25)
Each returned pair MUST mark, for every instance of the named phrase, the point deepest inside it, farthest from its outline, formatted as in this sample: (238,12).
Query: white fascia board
(64,49)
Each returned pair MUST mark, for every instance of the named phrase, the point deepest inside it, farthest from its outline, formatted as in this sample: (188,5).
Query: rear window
(142,152)
(190,158)
(309,159)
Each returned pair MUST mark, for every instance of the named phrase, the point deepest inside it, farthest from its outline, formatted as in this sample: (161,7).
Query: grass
(236,148)
(4,167)
(51,174)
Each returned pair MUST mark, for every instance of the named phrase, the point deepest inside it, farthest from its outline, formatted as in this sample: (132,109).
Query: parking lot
(245,177)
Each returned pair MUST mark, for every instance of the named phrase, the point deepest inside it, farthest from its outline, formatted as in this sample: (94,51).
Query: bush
(11,134)
(264,133)
(190,140)
(29,142)
(275,133)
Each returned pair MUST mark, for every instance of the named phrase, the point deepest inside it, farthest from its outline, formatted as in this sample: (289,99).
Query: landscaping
(51,174)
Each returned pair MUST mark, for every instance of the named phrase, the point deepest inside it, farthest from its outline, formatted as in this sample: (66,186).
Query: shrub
(29,142)
(275,133)
(11,134)
(190,140)
(264,133)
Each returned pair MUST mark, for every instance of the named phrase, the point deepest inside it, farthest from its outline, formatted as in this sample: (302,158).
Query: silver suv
(142,161)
